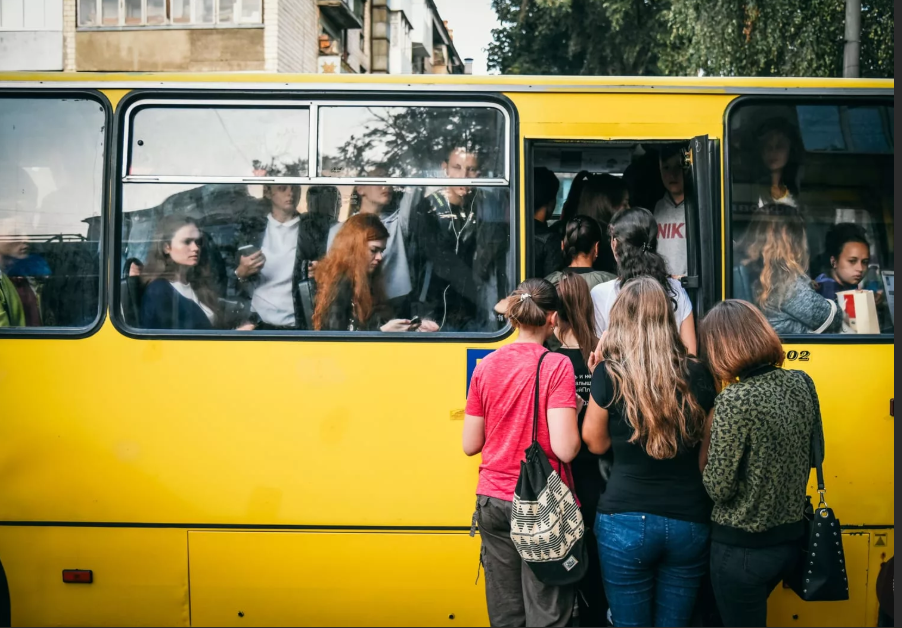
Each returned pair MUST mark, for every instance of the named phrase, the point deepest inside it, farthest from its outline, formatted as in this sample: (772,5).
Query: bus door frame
(703,224)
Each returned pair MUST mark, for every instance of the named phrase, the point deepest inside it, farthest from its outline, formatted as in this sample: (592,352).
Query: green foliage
(687,37)
(590,37)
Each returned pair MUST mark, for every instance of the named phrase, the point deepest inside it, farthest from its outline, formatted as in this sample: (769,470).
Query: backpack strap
(535,412)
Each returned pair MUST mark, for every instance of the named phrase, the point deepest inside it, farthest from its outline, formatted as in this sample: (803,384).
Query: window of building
(52,155)
(235,228)
(136,13)
(811,187)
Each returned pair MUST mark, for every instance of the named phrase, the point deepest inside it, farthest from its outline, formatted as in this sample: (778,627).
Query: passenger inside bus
(548,253)
(599,196)
(777,264)
(670,211)
(351,294)
(781,153)
(582,241)
(180,291)
(13,247)
(846,265)
(634,235)
(268,263)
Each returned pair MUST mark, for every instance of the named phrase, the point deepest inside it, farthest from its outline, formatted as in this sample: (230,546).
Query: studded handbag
(821,572)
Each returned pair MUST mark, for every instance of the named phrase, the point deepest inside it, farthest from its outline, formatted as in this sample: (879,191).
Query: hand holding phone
(415,323)
(250,261)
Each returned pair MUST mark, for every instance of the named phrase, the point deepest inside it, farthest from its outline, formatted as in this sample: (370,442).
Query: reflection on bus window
(411,142)
(445,264)
(51,196)
(812,213)
(219,141)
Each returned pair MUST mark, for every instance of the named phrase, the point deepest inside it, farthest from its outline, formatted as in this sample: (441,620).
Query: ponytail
(531,303)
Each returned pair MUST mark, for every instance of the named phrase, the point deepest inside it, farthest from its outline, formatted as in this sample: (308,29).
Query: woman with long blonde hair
(777,253)
(650,404)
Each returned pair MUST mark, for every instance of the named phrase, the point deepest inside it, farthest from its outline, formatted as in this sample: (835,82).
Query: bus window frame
(120,148)
(882,98)
(77,333)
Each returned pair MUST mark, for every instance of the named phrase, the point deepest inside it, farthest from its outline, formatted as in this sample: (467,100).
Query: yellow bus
(174,474)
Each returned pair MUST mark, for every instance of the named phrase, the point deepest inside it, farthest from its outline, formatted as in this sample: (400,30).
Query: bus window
(811,219)
(282,252)
(409,142)
(204,140)
(51,199)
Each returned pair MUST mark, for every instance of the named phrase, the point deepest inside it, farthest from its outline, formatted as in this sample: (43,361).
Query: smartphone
(415,323)
(247,250)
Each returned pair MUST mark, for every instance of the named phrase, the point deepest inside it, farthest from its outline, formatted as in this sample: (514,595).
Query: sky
(472,22)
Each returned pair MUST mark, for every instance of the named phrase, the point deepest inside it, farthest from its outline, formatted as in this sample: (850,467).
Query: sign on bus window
(812,189)
(206,141)
(51,199)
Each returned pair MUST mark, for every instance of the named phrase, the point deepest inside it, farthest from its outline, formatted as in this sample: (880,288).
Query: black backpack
(546,524)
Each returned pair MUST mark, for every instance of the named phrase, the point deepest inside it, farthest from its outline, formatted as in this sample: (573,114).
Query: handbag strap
(817,442)
(535,410)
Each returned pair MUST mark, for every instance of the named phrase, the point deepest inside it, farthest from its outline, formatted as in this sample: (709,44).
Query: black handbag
(821,573)
(546,524)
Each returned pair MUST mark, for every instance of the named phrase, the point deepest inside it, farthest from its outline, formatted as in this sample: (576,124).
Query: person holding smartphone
(268,268)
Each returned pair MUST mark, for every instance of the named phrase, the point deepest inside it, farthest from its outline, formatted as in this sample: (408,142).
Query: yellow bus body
(249,483)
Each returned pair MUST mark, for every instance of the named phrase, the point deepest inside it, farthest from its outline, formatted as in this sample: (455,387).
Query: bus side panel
(855,384)
(312,579)
(866,551)
(140,576)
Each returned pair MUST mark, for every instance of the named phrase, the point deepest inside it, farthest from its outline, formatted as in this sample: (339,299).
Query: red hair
(349,259)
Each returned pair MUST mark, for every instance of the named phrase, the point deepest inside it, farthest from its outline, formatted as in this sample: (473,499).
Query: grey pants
(514,595)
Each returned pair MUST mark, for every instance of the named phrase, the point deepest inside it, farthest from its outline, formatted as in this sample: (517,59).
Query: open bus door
(703,225)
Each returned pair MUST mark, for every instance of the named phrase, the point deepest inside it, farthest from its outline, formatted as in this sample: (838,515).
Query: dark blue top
(162,307)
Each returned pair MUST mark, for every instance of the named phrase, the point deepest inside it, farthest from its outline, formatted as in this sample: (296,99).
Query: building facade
(297,36)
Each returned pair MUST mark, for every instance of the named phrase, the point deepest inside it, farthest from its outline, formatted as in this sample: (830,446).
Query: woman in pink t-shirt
(498,424)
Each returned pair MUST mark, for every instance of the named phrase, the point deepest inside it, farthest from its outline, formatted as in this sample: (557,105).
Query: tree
(589,37)
(687,37)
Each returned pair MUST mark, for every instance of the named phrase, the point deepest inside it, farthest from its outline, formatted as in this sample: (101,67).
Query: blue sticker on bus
(473,358)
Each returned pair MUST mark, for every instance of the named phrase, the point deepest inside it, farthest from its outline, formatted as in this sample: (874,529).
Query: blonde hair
(649,367)
(777,244)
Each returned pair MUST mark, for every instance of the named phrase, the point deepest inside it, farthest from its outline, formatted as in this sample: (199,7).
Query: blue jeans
(652,567)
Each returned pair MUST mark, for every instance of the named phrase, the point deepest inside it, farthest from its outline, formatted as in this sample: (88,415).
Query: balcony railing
(346,14)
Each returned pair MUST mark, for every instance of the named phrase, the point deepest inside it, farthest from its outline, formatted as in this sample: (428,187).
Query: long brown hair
(776,245)
(159,264)
(649,367)
(734,338)
(576,312)
(349,258)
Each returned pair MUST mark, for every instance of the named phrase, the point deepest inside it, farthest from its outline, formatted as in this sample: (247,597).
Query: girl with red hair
(351,287)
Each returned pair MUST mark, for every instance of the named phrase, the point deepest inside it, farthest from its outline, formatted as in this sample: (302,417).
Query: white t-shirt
(272,299)
(188,292)
(604,296)
(672,235)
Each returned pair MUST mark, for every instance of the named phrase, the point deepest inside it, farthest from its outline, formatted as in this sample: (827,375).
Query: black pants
(593,604)
(744,579)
